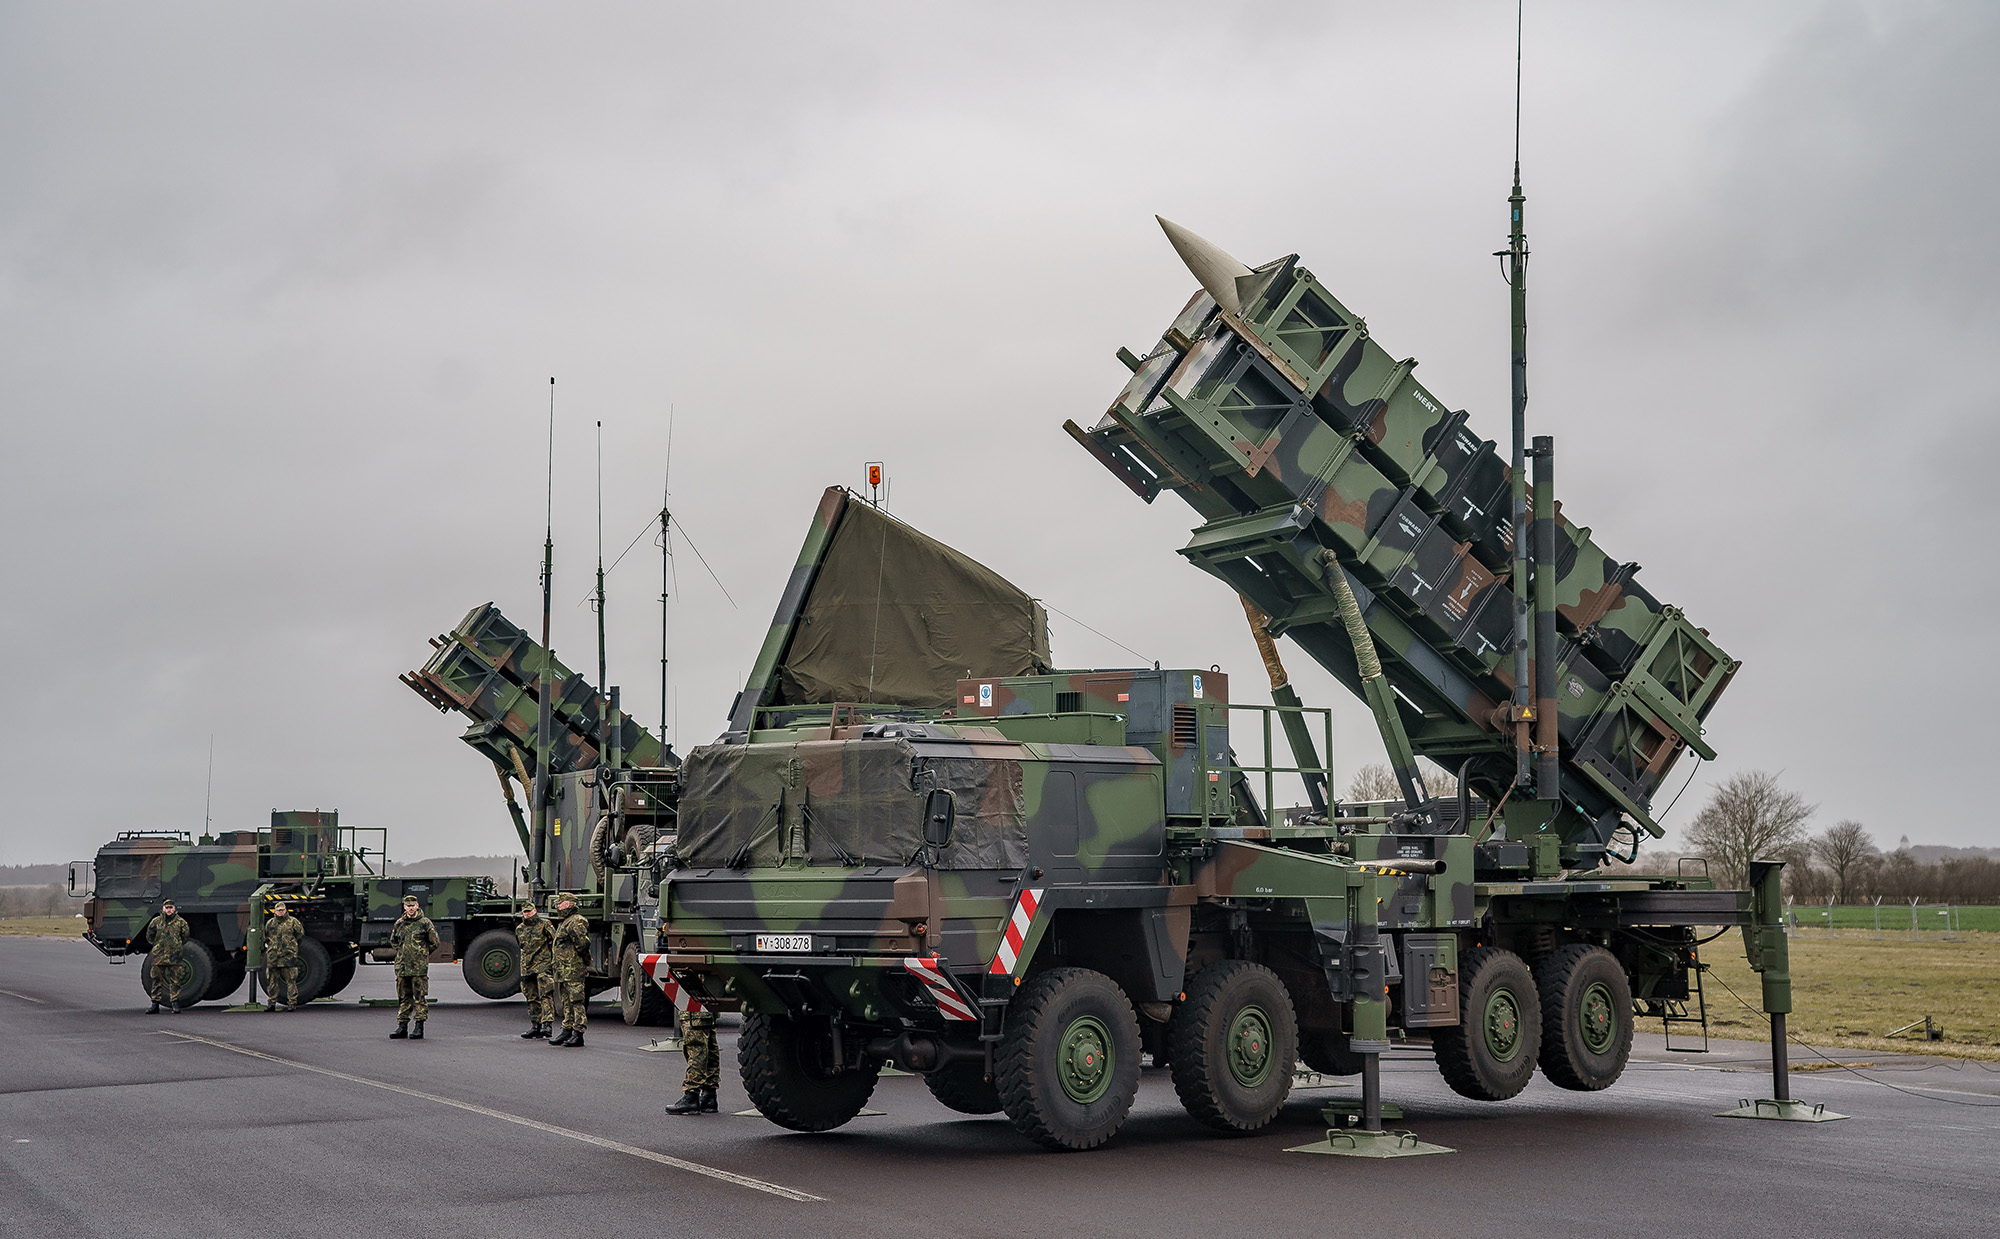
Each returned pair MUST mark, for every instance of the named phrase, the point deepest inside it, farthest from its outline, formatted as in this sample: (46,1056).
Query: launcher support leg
(1765,946)
(1371,1092)
(1781,1070)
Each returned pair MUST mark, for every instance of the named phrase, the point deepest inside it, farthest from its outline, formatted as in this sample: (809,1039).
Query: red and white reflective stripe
(942,991)
(655,967)
(1016,932)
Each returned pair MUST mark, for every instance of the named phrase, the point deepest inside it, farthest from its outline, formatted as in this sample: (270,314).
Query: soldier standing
(704,1072)
(282,935)
(538,970)
(414,939)
(572,951)
(166,947)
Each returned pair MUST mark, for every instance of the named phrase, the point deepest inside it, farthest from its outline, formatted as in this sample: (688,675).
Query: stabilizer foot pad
(1370,1144)
(1780,1111)
(663,1045)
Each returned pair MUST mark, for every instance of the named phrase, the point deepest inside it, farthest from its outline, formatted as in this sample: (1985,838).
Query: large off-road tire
(315,966)
(1586,1017)
(492,964)
(964,1087)
(1235,1042)
(638,837)
(1068,1065)
(229,973)
(1490,1055)
(198,974)
(640,1001)
(787,1069)
(1327,1053)
(339,974)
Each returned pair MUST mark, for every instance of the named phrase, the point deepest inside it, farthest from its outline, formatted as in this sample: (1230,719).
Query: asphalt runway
(212,1123)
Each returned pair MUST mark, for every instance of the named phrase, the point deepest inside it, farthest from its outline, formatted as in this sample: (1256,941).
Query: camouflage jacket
(167,935)
(572,940)
(282,936)
(537,943)
(413,941)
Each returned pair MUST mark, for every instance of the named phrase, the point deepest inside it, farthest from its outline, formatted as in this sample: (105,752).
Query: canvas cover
(897,618)
(844,802)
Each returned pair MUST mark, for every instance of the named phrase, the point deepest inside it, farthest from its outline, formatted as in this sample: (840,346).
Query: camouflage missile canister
(1268,407)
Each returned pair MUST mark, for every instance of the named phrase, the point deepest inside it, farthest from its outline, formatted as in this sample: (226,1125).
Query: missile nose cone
(1209,263)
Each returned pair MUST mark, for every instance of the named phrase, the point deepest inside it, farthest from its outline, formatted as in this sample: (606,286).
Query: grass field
(1931,923)
(62,926)
(1850,988)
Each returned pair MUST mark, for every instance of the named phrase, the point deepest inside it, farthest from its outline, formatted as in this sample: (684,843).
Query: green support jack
(249,1004)
(1769,955)
(1368,1139)
(670,1044)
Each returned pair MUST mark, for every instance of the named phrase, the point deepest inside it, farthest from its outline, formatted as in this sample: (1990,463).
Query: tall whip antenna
(543,686)
(666,571)
(604,707)
(1515,258)
(208,800)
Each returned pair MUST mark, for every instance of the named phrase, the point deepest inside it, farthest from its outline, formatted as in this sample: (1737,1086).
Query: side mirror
(940,811)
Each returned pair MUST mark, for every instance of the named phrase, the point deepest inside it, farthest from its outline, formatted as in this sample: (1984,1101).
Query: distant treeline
(50,900)
(32,875)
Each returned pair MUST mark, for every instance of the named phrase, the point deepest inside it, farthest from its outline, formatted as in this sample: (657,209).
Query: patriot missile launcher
(1334,487)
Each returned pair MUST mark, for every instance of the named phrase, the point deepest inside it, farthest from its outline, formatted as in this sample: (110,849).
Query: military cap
(410,900)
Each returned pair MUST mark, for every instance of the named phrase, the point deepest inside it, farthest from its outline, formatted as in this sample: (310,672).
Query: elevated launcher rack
(1310,451)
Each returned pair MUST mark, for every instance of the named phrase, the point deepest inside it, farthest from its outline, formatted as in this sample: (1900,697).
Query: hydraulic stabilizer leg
(1769,953)
(1305,754)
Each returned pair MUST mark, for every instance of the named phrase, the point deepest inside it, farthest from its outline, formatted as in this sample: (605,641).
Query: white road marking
(23,997)
(677,1163)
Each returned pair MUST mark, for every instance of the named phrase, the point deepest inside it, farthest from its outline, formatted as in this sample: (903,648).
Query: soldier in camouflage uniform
(413,939)
(704,1072)
(166,946)
(282,935)
(538,970)
(572,952)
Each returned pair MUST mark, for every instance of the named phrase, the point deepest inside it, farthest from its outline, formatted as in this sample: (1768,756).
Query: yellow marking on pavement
(23,997)
(677,1163)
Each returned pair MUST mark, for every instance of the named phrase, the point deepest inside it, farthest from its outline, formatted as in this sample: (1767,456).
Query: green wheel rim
(1250,1054)
(496,963)
(1597,1018)
(1502,1022)
(1084,1059)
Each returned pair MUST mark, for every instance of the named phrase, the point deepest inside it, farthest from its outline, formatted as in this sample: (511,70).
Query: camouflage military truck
(226,884)
(608,805)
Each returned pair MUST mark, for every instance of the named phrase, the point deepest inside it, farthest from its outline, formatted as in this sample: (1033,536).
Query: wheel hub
(495,964)
(1503,1025)
(1250,1046)
(1083,1059)
(1598,1018)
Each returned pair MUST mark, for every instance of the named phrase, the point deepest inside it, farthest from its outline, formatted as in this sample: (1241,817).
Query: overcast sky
(281,290)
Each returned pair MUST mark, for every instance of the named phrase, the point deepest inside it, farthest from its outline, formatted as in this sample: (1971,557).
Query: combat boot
(562,1038)
(534,1030)
(690,1103)
(270,1006)
(547,1031)
(153,1010)
(173,1009)
(417,1033)
(708,1102)
(402,1031)
(575,1041)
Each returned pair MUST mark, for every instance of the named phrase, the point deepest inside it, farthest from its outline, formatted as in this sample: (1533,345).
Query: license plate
(784,942)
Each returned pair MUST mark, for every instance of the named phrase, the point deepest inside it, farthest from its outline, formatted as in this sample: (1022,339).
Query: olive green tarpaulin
(897,618)
(844,803)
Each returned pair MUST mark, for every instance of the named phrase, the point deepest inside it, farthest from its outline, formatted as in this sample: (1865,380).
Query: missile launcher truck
(600,791)
(224,885)
(1017,883)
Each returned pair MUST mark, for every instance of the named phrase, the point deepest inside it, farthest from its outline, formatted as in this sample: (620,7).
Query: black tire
(1490,1054)
(1068,1065)
(964,1087)
(637,839)
(339,974)
(200,973)
(1235,1043)
(315,966)
(492,964)
(1586,1018)
(787,1069)
(229,973)
(640,1001)
(1327,1053)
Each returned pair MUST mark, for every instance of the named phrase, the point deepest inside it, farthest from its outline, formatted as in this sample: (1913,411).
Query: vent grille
(1184,727)
(1069,703)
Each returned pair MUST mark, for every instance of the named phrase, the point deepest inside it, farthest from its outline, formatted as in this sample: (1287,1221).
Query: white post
(1913,921)
(1878,916)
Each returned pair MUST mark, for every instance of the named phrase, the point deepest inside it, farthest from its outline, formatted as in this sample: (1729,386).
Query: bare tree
(1749,817)
(1847,849)
(1374,781)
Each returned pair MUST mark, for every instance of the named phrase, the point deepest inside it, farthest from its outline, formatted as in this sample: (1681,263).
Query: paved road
(210,1123)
